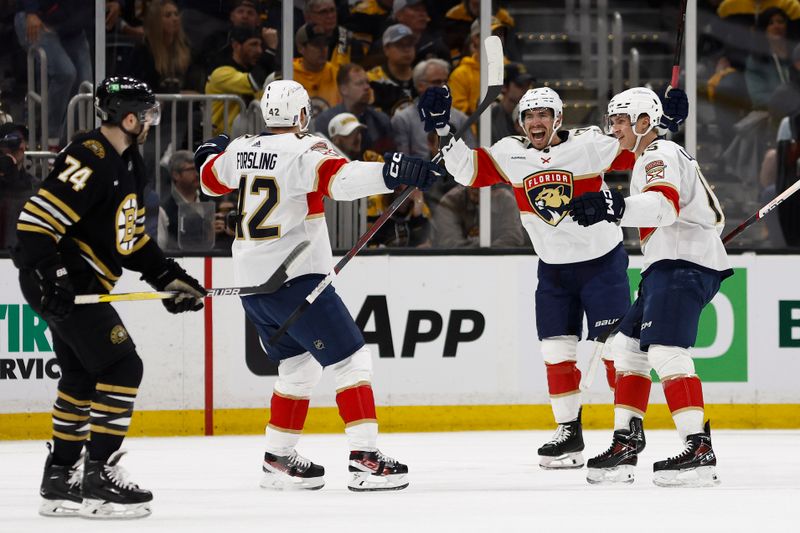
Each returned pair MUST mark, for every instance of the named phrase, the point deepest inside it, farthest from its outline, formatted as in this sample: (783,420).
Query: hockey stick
(676,60)
(278,278)
(755,217)
(494,55)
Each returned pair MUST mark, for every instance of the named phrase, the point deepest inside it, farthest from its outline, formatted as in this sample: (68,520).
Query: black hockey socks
(70,427)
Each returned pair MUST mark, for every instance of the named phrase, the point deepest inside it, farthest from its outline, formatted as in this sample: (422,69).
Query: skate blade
(368,482)
(568,461)
(63,508)
(703,476)
(103,510)
(281,481)
(610,476)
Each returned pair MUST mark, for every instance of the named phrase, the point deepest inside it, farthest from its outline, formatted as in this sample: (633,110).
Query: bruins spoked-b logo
(126,224)
(549,193)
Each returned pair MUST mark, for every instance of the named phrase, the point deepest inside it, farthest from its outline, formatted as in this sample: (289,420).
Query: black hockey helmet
(118,96)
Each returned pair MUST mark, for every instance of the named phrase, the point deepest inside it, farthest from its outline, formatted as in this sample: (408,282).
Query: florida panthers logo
(549,193)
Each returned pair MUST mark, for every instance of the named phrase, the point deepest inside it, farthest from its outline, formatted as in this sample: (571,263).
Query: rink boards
(454,348)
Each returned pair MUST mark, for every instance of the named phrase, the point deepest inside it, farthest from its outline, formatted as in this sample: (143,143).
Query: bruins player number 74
(75,235)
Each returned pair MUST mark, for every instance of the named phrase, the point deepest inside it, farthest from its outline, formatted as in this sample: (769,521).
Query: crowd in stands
(364,64)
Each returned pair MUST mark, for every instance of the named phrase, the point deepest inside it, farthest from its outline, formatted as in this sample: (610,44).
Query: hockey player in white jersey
(282,176)
(579,273)
(679,221)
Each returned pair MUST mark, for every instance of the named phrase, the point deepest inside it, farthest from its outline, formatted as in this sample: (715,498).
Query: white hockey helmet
(542,97)
(282,103)
(634,103)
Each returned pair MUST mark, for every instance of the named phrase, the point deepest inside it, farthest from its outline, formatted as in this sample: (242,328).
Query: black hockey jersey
(90,206)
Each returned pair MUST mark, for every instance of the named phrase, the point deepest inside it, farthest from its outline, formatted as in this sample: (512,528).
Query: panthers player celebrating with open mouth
(76,234)
(579,272)
(282,176)
(679,221)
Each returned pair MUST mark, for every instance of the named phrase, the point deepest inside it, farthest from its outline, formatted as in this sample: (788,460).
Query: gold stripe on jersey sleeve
(41,213)
(85,248)
(36,229)
(64,208)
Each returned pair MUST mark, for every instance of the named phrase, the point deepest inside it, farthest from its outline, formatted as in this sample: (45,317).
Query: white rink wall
(746,354)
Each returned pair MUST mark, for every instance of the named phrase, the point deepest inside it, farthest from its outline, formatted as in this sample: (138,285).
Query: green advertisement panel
(722,329)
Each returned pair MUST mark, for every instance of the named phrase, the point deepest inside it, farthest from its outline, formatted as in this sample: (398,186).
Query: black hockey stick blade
(278,278)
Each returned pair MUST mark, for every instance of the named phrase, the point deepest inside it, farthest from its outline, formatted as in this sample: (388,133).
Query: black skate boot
(61,488)
(616,465)
(108,493)
(695,467)
(370,471)
(564,450)
(293,471)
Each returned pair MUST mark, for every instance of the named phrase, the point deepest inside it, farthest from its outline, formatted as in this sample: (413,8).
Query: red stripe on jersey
(624,161)
(585,185)
(644,233)
(683,392)
(670,193)
(210,181)
(563,378)
(326,171)
(523,203)
(356,403)
(316,204)
(288,413)
(488,172)
(633,390)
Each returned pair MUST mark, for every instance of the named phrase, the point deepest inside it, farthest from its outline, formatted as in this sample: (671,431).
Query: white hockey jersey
(677,212)
(281,180)
(544,182)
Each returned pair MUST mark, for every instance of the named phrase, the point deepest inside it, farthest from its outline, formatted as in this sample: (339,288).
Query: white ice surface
(472,481)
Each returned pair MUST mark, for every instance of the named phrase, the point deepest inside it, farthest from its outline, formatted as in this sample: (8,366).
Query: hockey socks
(357,409)
(685,400)
(563,383)
(286,421)
(630,398)
(70,427)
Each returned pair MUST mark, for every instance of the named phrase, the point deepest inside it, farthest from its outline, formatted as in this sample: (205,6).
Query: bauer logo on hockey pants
(549,193)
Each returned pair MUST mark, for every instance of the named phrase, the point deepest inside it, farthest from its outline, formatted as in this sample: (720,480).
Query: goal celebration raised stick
(494,55)
(278,278)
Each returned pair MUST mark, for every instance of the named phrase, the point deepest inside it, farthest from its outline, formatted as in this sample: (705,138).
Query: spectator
(342,48)
(58,27)
(408,227)
(203,18)
(185,190)
(768,66)
(224,226)
(313,70)
(243,74)
(164,60)
(367,18)
(392,82)
(217,46)
(457,219)
(465,80)
(16,184)
(344,131)
(458,23)
(414,14)
(410,134)
(516,82)
(356,94)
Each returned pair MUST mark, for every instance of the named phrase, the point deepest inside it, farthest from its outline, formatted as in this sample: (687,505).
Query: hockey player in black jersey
(76,234)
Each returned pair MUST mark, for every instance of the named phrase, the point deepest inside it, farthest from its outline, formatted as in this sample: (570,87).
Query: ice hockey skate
(108,493)
(695,467)
(291,472)
(564,450)
(61,488)
(373,471)
(617,464)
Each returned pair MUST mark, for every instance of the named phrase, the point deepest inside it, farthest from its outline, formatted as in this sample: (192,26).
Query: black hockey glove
(401,169)
(58,296)
(211,147)
(434,107)
(171,277)
(675,105)
(593,207)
